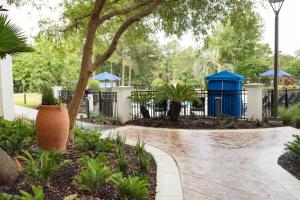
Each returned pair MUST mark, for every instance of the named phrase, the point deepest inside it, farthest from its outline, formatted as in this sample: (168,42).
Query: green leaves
(294,146)
(177,93)
(37,191)
(48,96)
(12,40)
(16,135)
(94,174)
(41,168)
(132,188)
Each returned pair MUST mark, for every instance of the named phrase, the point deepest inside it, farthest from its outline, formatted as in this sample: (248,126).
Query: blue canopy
(225,75)
(271,73)
(105,76)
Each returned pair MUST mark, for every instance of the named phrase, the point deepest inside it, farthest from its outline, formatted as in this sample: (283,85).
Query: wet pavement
(220,165)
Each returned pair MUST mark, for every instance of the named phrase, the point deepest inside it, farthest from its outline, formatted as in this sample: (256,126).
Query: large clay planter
(52,127)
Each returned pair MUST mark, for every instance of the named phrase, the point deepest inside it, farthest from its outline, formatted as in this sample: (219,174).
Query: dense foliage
(16,135)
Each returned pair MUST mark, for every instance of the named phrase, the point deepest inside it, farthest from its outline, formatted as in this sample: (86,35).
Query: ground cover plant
(291,116)
(290,160)
(91,167)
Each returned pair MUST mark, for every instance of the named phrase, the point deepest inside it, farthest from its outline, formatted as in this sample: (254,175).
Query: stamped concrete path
(220,165)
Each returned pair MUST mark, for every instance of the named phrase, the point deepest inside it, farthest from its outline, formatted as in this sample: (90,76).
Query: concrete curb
(268,162)
(168,177)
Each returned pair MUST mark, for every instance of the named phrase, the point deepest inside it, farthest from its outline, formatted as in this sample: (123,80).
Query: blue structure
(280,73)
(225,94)
(105,76)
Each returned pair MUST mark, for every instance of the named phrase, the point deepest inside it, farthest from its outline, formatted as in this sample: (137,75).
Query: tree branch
(123,11)
(113,46)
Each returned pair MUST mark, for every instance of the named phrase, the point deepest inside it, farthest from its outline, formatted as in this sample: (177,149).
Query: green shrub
(140,147)
(93,85)
(16,135)
(38,194)
(48,96)
(144,163)
(294,146)
(286,115)
(94,174)
(176,95)
(297,121)
(131,188)
(43,166)
(120,140)
(4,196)
(90,141)
(122,165)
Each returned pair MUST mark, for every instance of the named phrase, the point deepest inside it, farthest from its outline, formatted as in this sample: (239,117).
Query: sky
(289,36)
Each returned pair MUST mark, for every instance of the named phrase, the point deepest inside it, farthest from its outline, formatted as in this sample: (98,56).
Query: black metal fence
(209,103)
(286,98)
(95,103)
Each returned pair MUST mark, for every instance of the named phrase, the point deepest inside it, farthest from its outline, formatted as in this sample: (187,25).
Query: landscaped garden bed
(91,167)
(195,122)
(290,160)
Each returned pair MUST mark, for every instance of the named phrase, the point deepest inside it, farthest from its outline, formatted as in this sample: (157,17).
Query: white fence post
(6,89)
(255,101)
(123,103)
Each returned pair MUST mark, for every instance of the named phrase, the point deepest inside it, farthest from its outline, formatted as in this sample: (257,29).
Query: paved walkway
(220,165)
(214,164)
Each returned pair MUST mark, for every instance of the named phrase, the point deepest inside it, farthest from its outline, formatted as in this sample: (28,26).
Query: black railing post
(272,103)
(286,99)
(87,107)
(100,102)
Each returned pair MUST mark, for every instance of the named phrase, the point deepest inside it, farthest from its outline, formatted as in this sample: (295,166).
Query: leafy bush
(143,100)
(176,94)
(286,116)
(43,167)
(90,141)
(297,121)
(48,96)
(120,140)
(37,191)
(93,85)
(140,147)
(16,135)
(144,163)
(38,194)
(294,146)
(94,174)
(131,188)
(122,164)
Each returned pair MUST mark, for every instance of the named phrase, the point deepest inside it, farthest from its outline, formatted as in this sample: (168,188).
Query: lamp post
(276,5)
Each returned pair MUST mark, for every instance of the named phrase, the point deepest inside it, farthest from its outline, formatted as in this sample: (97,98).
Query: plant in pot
(52,122)
(176,95)
(143,100)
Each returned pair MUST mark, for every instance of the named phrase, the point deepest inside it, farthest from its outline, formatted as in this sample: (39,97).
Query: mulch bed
(195,122)
(62,185)
(291,163)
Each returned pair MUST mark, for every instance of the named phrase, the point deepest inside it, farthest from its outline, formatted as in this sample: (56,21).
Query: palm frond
(12,39)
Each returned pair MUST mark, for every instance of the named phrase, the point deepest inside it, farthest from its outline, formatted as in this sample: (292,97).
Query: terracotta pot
(52,127)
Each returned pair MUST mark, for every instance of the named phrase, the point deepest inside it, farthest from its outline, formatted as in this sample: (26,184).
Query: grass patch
(33,100)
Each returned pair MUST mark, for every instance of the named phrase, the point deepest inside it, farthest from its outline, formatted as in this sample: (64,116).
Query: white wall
(6,89)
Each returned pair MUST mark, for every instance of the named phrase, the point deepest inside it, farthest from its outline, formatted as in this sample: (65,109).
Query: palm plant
(176,94)
(143,100)
(12,39)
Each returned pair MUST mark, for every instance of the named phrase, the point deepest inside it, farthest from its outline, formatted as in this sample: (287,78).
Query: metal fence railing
(286,98)
(231,103)
(94,103)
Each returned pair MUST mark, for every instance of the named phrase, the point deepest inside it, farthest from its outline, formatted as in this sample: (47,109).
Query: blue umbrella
(271,73)
(105,76)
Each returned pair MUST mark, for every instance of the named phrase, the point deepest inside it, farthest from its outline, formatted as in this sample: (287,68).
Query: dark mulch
(291,163)
(61,183)
(194,122)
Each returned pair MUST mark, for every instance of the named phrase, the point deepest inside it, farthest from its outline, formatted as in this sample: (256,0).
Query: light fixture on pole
(276,5)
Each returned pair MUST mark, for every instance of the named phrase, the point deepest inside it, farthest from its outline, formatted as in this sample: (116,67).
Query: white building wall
(6,89)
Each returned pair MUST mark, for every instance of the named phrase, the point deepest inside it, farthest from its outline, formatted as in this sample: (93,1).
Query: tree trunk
(8,169)
(77,98)
(144,111)
(175,109)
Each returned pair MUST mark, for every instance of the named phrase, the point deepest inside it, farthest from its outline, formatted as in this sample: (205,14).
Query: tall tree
(103,22)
